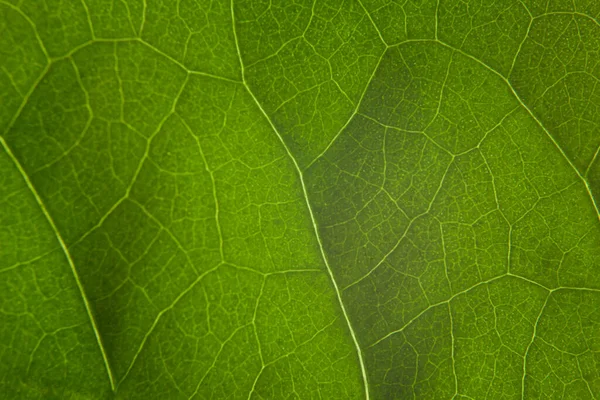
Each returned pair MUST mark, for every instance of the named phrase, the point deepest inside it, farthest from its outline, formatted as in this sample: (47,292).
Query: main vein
(310,211)
(67,254)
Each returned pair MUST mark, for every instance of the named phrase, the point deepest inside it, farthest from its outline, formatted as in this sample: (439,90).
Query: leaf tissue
(275,199)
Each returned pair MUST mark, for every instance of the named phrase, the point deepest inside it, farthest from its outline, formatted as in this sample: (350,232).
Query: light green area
(299,199)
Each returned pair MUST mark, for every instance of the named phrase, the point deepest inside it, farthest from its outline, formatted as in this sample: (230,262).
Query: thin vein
(445,253)
(437,12)
(448,300)
(452,355)
(167,230)
(512,66)
(373,23)
(589,167)
(35,31)
(144,11)
(148,45)
(89,18)
(26,98)
(26,262)
(260,353)
(138,170)
(355,113)
(216,357)
(531,114)
(412,221)
(214,187)
(120,84)
(159,316)
(571,13)
(67,254)
(530,344)
(310,211)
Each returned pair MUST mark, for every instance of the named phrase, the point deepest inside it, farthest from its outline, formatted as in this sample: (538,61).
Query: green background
(293,199)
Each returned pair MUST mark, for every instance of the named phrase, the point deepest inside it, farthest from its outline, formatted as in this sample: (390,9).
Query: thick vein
(308,206)
(126,195)
(68,257)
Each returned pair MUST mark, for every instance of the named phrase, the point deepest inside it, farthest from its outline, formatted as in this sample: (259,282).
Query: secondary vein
(67,254)
(310,211)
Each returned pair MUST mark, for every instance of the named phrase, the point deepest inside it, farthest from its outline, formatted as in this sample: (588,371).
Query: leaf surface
(263,200)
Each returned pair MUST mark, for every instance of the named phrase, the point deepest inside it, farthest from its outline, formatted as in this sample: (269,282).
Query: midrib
(308,206)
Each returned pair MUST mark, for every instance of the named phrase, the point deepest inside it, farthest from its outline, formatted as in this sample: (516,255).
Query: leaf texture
(369,199)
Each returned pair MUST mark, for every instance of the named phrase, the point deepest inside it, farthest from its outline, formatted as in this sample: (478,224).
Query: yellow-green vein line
(310,211)
(65,250)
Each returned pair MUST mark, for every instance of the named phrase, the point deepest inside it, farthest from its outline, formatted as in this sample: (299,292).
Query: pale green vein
(448,300)
(148,45)
(144,11)
(119,84)
(310,211)
(158,318)
(354,113)
(26,262)
(442,236)
(531,114)
(530,344)
(437,12)
(522,41)
(535,118)
(385,257)
(26,98)
(216,357)
(89,18)
(136,174)
(571,13)
(165,228)
(68,257)
(30,22)
(452,355)
(426,309)
(587,170)
(88,123)
(373,23)
(260,353)
(214,186)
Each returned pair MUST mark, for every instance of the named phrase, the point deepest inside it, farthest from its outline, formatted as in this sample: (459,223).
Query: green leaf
(371,199)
